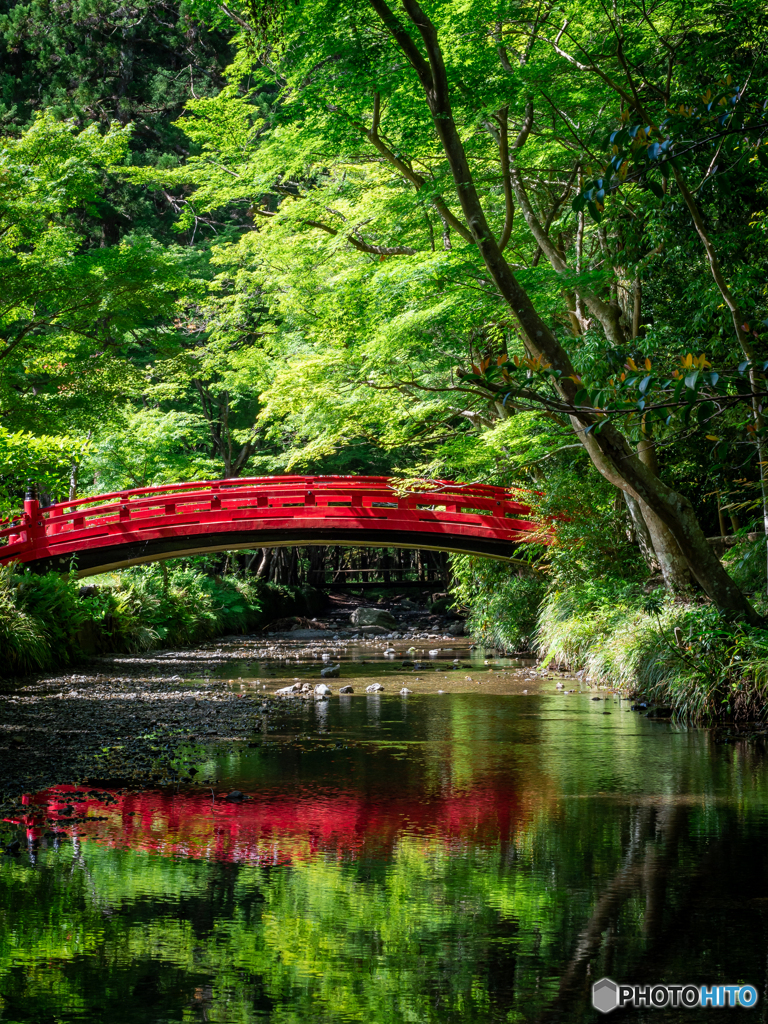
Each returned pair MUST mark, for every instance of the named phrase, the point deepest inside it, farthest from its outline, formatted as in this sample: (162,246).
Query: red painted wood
(288,505)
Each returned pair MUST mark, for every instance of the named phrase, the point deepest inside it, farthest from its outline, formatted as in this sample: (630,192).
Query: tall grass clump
(682,656)
(24,646)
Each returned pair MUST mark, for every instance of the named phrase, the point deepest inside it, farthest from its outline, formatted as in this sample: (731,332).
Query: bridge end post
(31,501)
(31,517)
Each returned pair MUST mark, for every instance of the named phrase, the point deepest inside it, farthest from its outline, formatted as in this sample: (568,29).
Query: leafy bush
(746,562)
(176,607)
(53,601)
(504,602)
(23,643)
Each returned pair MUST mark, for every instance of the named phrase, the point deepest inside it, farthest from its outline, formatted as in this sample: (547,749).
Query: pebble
(374,688)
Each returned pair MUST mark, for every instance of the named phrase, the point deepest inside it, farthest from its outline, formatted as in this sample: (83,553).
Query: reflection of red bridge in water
(278,828)
(111,531)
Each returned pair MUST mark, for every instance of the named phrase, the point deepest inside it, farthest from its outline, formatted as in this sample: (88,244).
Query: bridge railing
(487,508)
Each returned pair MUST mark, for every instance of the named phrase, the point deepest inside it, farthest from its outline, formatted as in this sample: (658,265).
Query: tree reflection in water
(473,859)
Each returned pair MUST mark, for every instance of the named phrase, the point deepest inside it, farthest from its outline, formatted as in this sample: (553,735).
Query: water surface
(464,856)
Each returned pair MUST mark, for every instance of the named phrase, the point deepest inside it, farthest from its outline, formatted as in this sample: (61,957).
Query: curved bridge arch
(113,531)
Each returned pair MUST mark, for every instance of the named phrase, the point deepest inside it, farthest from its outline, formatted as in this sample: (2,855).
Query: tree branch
(359,243)
(372,134)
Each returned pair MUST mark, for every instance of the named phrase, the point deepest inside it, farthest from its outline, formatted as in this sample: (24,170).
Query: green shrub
(746,563)
(53,601)
(503,601)
(23,644)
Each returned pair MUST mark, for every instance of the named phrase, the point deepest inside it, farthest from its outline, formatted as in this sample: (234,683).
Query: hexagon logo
(605,995)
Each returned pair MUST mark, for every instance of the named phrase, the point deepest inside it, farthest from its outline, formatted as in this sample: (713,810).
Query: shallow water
(480,854)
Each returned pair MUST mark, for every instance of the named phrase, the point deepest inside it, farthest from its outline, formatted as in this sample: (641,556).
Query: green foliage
(45,458)
(53,601)
(681,656)
(45,621)
(66,307)
(503,601)
(182,605)
(22,639)
(746,562)
(143,447)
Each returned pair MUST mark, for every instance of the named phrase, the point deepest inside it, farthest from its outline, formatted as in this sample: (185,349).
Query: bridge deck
(129,527)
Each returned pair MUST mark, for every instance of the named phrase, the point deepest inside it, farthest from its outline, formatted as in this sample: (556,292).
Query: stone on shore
(373,617)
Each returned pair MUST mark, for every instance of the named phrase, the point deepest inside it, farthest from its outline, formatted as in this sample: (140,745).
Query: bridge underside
(94,560)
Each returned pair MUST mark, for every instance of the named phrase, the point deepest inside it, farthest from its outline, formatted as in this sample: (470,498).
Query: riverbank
(667,652)
(137,717)
(671,652)
(51,622)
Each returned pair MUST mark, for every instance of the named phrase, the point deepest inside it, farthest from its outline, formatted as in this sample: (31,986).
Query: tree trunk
(316,574)
(673,565)
(264,564)
(74,473)
(642,534)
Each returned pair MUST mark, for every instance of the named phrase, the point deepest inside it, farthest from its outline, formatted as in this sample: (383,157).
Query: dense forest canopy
(516,242)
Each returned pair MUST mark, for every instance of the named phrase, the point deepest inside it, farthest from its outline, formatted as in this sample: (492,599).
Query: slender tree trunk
(264,564)
(673,565)
(642,534)
(721,517)
(74,473)
(637,296)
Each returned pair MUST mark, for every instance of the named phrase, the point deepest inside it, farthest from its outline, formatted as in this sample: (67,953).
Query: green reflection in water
(479,859)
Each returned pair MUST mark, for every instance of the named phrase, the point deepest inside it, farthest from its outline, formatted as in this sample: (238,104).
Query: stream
(480,849)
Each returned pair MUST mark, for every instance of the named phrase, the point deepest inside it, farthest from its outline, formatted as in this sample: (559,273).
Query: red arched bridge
(111,531)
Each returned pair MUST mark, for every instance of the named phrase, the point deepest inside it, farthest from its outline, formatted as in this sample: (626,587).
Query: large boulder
(373,617)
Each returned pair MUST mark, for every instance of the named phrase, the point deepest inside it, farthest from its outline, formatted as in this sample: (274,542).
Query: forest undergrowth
(50,621)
